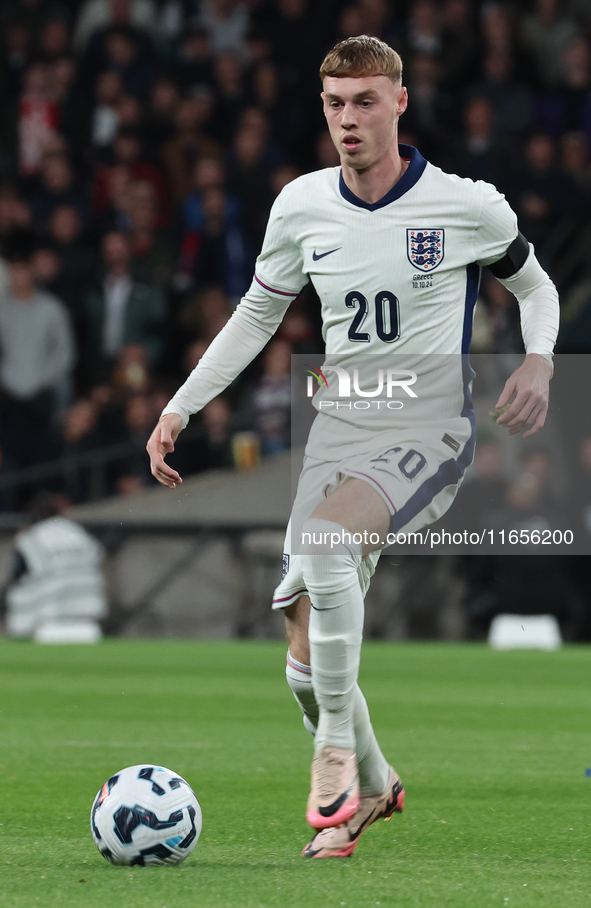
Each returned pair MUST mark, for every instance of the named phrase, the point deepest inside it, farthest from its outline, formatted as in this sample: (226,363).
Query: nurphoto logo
(386,381)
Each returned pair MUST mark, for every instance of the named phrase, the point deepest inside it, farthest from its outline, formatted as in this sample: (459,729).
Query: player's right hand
(161,443)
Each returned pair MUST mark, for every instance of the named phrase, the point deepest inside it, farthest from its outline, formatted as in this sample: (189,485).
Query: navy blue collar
(411,175)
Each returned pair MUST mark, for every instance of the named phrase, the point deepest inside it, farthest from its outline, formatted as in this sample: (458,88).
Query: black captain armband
(514,258)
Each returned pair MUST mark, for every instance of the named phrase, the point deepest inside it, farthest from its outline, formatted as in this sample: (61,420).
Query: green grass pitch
(492,747)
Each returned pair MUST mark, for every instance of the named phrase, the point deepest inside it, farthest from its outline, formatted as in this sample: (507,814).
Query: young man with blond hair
(394,248)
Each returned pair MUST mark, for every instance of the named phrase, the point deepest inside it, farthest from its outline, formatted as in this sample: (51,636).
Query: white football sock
(372,764)
(299,678)
(330,563)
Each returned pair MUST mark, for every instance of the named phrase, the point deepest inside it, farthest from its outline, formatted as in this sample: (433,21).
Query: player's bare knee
(297,617)
(359,509)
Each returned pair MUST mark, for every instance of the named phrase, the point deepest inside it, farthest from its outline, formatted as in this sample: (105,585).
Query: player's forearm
(243,337)
(538,306)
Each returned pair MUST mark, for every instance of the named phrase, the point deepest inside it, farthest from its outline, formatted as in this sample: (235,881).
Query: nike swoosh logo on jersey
(323,254)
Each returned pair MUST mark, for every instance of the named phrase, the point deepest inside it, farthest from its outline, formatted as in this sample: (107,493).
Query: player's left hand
(529,388)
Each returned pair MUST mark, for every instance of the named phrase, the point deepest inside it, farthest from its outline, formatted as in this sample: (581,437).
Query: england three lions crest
(425,248)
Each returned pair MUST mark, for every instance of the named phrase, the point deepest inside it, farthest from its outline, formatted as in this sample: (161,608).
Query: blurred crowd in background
(141,146)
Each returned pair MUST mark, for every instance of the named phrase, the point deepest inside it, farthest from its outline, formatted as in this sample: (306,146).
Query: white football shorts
(416,474)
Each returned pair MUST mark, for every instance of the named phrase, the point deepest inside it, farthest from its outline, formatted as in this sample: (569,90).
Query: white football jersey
(399,276)
(401,273)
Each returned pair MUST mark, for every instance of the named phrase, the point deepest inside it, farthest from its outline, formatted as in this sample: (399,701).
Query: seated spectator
(73,116)
(122,47)
(536,461)
(226,22)
(297,331)
(326,153)
(216,418)
(267,97)
(107,400)
(80,434)
(65,276)
(429,115)
(502,314)
(120,311)
(15,214)
(79,262)
(133,471)
(59,186)
(127,149)
(248,180)
(195,60)
(105,118)
(35,119)
(131,372)
(294,39)
(110,201)
(478,155)
(159,126)
(281,176)
(459,44)
(188,145)
(544,198)
(547,32)
(130,113)
(216,253)
(210,449)
(273,148)
(47,266)
(423,29)
(36,360)
(574,160)
(152,253)
(122,55)
(566,105)
(230,96)
(54,39)
(377,19)
(349,22)
(484,488)
(499,31)
(17,39)
(271,399)
(204,315)
(80,427)
(95,15)
(193,354)
(209,173)
(512,100)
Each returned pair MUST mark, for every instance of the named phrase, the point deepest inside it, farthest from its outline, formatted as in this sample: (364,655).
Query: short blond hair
(362,56)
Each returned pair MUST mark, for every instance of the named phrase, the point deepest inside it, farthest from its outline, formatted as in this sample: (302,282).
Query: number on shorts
(411,471)
(410,464)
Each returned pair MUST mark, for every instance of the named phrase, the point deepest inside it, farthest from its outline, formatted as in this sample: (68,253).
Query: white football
(145,815)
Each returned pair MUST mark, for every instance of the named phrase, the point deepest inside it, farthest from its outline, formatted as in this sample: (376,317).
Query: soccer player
(393,247)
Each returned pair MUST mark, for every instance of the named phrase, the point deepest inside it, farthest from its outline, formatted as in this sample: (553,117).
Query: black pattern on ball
(159,851)
(103,793)
(146,774)
(127,820)
(192,832)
